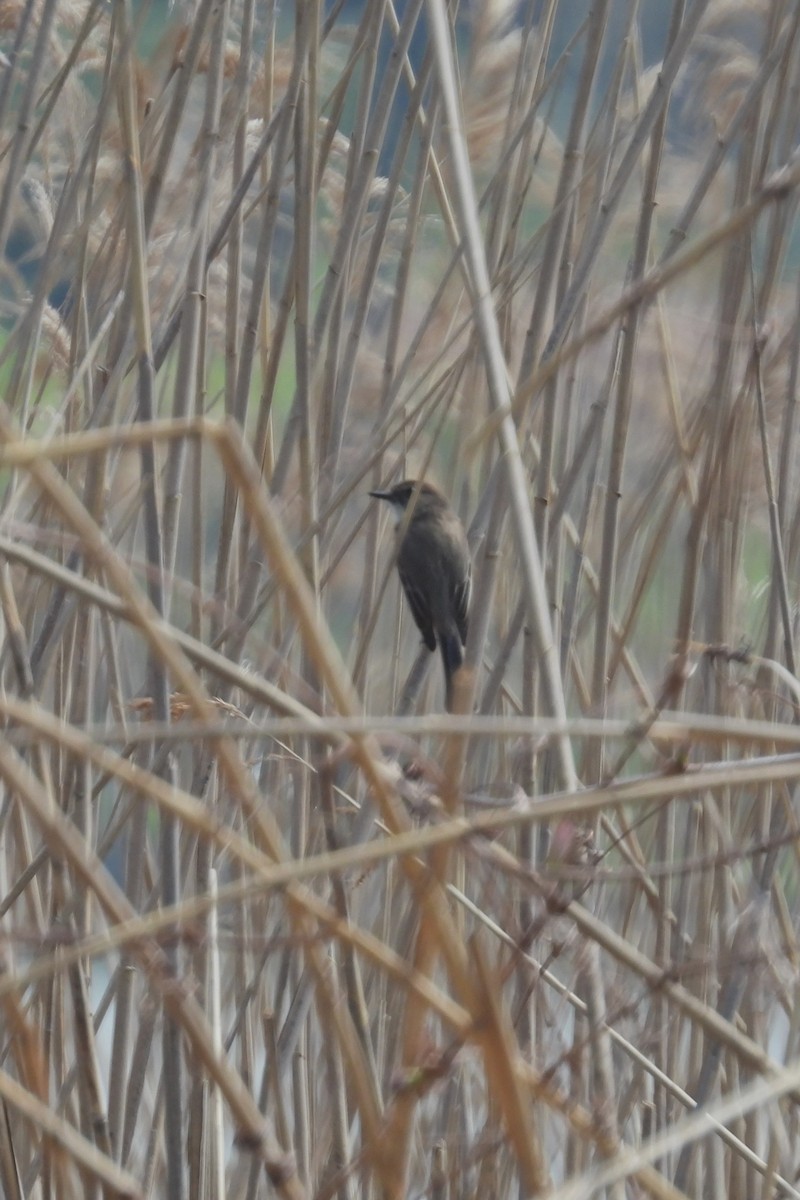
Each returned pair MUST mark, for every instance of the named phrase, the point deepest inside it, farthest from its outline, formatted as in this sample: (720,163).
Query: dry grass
(272,923)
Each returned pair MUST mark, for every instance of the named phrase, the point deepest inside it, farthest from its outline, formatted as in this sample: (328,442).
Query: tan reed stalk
(431,979)
(622,407)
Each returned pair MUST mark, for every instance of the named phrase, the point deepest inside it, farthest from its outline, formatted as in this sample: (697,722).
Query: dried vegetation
(270,923)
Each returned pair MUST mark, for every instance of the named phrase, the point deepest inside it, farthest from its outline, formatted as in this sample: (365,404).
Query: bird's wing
(420,608)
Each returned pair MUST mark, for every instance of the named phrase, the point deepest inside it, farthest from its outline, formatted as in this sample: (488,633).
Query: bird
(435,569)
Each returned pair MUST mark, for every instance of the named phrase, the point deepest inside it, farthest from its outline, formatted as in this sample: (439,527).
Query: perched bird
(435,569)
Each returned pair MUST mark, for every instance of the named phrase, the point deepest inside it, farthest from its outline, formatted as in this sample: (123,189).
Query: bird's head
(399,497)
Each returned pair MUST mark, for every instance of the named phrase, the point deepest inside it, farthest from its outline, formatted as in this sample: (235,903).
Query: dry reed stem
(500,1054)
(80,1150)
(301,214)
(686,1131)
(66,842)
(778,188)
(498,383)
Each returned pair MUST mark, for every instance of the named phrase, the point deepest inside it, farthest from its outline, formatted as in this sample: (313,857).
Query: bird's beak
(381,495)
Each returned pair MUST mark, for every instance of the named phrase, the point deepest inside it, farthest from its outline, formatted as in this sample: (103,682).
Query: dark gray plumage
(435,569)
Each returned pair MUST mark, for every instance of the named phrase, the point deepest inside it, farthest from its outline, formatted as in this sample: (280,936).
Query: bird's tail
(452,657)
